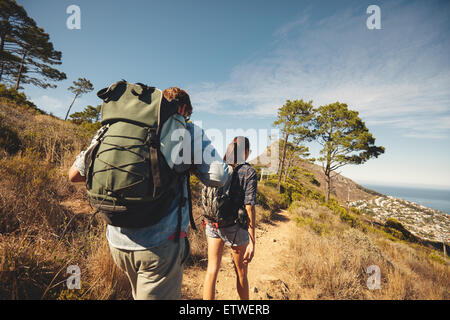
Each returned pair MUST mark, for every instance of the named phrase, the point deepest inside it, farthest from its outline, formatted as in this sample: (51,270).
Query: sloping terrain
(306,248)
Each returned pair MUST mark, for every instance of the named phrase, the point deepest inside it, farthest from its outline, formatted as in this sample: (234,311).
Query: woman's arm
(250,251)
(250,202)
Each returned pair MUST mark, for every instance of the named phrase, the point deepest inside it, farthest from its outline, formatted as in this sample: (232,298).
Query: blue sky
(240,61)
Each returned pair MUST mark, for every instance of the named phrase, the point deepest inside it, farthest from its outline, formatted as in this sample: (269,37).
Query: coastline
(424,222)
(429,197)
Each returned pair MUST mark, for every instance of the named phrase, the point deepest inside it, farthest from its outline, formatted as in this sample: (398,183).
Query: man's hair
(179,95)
(235,153)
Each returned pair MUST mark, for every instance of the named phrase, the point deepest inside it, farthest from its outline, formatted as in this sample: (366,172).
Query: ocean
(438,199)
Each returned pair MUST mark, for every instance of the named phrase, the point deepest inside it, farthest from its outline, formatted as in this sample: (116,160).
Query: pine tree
(294,154)
(14,20)
(344,138)
(90,114)
(37,56)
(80,87)
(294,120)
(26,53)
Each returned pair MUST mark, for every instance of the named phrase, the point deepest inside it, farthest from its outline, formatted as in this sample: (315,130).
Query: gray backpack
(218,204)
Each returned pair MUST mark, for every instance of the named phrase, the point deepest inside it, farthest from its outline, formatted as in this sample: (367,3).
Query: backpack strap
(180,211)
(166,110)
(191,216)
(233,176)
(182,203)
(154,144)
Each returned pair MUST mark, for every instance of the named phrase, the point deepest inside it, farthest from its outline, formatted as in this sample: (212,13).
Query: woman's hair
(236,151)
(181,96)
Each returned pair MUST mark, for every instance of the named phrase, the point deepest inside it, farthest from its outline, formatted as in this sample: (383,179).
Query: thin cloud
(49,103)
(401,71)
(56,106)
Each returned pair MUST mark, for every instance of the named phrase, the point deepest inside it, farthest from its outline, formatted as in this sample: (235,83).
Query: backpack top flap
(214,198)
(137,103)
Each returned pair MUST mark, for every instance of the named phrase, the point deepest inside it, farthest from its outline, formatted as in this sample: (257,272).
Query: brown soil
(266,274)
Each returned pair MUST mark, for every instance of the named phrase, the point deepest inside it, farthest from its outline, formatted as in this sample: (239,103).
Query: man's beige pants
(155,273)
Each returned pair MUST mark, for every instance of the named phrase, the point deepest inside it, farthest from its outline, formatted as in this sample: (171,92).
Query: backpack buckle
(153,139)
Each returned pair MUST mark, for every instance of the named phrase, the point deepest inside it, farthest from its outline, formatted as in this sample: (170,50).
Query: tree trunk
(328,187)
(19,75)
(2,45)
(289,164)
(327,173)
(282,162)
(67,114)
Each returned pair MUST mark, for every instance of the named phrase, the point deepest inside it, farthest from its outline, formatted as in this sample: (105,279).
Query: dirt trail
(267,271)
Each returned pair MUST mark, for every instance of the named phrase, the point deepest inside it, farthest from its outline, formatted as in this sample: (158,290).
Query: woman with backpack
(235,226)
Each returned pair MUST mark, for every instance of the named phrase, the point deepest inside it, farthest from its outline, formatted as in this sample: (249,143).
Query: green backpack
(128,179)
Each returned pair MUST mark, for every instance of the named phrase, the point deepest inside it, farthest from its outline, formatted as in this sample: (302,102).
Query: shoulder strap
(180,211)
(191,216)
(181,205)
(154,144)
(233,177)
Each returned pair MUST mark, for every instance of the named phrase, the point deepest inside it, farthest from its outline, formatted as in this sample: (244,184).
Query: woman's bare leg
(215,251)
(241,271)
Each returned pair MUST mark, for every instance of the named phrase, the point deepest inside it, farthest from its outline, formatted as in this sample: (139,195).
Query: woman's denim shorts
(233,235)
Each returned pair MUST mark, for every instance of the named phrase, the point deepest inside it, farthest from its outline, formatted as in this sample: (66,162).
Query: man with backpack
(135,180)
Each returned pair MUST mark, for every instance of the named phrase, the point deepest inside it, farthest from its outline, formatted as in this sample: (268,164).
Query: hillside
(424,223)
(306,248)
(343,188)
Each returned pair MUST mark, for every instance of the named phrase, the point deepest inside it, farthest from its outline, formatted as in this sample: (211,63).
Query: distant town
(426,223)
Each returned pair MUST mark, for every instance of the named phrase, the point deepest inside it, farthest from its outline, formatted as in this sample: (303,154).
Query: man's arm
(74,174)
(77,171)
(211,170)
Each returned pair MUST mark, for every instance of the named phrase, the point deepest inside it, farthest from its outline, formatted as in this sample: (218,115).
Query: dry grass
(40,237)
(334,265)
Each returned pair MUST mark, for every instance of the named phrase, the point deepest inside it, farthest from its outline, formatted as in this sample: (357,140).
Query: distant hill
(343,188)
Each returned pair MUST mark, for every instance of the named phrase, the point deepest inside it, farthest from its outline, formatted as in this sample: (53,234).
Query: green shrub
(90,128)
(296,196)
(269,198)
(311,178)
(271,183)
(437,258)
(19,98)
(394,227)
(9,138)
(350,219)
(317,226)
